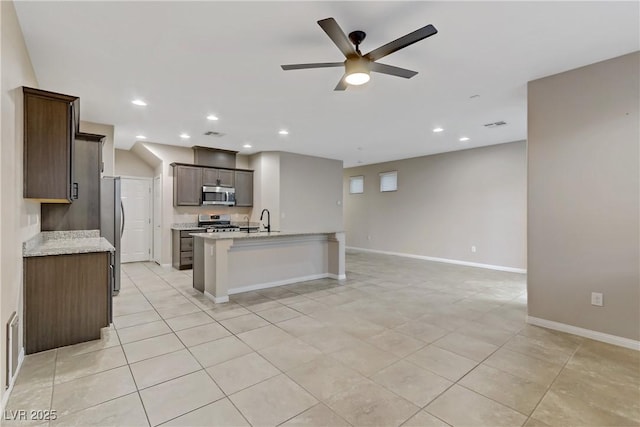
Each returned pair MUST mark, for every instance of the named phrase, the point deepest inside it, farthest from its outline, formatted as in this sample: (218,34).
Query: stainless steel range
(216,223)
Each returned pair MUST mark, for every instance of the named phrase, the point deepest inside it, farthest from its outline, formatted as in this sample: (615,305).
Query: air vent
(214,133)
(495,124)
(12,348)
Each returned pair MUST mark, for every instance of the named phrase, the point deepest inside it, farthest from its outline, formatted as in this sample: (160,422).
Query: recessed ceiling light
(246,146)
(141,137)
(139,102)
(464,138)
(184,136)
(437,130)
(211,117)
(283,132)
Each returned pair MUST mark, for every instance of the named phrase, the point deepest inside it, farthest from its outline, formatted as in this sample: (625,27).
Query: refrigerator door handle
(122,225)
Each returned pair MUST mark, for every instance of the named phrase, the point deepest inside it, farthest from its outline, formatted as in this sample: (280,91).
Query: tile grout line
(53,384)
(135,383)
(564,365)
(457,382)
(144,408)
(201,308)
(225,396)
(97,373)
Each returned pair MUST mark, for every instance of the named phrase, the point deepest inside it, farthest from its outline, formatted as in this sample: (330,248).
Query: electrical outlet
(597,299)
(473,249)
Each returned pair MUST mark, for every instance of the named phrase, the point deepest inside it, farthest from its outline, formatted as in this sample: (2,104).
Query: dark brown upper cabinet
(244,188)
(84,212)
(51,121)
(214,157)
(187,185)
(189,179)
(218,177)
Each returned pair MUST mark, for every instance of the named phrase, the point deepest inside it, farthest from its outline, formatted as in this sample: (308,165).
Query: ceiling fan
(358,66)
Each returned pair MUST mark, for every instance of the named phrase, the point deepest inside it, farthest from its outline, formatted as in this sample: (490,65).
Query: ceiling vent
(495,124)
(214,133)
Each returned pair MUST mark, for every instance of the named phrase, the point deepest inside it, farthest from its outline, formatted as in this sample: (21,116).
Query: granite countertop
(186,226)
(65,242)
(260,235)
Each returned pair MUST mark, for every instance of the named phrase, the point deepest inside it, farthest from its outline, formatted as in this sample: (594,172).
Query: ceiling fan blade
(402,42)
(342,85)
(335,33)
(391,70)
(314,65)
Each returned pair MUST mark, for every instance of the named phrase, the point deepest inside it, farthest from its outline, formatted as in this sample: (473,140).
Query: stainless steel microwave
(218,196)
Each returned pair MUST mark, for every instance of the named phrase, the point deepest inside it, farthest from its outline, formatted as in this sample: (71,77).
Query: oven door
(218,196)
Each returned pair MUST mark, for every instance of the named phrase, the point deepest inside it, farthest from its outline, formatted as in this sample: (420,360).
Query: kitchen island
(230,263)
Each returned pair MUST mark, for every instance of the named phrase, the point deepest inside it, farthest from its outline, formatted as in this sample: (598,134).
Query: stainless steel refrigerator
(112,221)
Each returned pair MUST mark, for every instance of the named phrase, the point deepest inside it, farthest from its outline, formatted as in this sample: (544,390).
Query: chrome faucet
(268,226)
(247,218)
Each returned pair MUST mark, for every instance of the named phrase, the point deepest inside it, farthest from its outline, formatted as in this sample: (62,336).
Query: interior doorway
(137,236)
(157,219)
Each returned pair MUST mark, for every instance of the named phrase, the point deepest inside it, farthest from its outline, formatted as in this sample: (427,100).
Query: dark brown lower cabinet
(67,299)
(182,244)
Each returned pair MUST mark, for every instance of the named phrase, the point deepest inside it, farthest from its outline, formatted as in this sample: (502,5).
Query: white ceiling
(191,59)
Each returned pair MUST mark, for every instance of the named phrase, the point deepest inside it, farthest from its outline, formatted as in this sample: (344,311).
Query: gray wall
(19,218)
(302,193)
(310,193)
(445,204)
(583,196)
(266,186)
(127,163)
(108,150)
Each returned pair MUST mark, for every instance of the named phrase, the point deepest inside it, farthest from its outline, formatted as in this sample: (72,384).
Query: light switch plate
(597,299)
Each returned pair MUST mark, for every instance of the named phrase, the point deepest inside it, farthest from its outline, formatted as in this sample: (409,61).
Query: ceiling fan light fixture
(357,71)
(357,79)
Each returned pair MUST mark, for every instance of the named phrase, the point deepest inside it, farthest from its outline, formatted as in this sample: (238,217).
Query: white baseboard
(215,299)
(259,286)
(587,333)
(445,260)
(273,284)
(7,392)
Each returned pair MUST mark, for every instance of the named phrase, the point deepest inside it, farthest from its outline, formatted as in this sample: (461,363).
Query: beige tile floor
(400,342)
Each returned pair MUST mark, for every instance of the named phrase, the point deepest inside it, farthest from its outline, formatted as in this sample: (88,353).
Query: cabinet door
(210,177)
(67,299)
(84,212)
(187,186)
(217,177)
(226,177)
(244,188)
(48,146)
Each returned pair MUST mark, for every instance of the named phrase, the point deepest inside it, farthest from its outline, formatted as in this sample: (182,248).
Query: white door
(136,199)
(157,219)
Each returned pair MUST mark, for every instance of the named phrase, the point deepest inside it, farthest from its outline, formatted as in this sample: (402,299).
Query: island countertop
(259,235)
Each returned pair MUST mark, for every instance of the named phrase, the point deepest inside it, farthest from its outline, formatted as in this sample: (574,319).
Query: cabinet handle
(75,192)
(122,225)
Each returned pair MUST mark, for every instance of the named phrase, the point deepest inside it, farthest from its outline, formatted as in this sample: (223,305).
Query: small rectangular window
(356,184)
(389,181)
